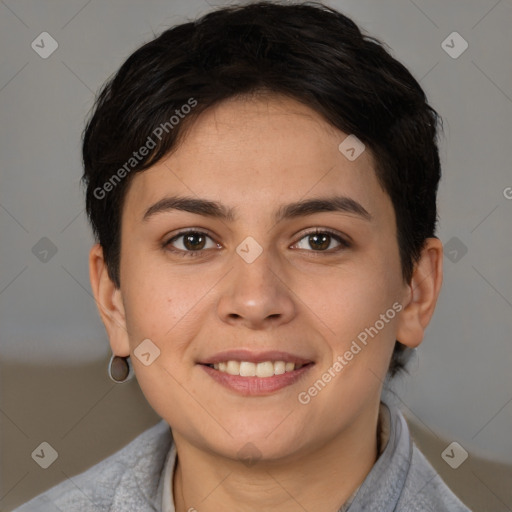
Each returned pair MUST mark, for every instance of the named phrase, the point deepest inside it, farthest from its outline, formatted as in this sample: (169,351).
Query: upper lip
(254,357)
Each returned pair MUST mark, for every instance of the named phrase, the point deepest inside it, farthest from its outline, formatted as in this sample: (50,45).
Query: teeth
(233,368)
(265,369)
(248,369)
(279,367)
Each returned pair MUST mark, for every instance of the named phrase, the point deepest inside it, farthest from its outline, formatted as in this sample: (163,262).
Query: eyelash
(167,245)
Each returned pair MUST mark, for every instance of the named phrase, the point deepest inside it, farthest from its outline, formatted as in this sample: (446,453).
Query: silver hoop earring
(120,369)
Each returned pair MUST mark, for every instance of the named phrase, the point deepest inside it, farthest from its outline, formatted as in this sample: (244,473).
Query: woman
(262,187)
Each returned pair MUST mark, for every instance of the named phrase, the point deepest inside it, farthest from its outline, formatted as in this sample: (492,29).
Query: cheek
(357,320)
(155,299)
(347,301)
(170,309)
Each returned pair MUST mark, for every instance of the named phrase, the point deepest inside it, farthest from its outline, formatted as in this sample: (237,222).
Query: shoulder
(130,477)
(425,490)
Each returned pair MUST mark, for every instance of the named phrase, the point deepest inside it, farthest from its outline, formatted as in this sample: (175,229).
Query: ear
(423,292)
(109,301)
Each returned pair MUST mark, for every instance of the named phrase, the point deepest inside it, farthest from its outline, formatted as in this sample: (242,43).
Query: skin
(255,154)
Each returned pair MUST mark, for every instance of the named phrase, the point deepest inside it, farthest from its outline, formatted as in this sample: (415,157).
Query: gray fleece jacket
(138,478)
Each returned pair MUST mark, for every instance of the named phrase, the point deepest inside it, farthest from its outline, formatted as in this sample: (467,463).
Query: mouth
(247,373)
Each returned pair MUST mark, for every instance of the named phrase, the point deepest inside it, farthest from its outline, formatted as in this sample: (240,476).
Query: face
(264,280)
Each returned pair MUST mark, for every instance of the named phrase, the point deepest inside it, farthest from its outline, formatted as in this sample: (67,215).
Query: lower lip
(256,386)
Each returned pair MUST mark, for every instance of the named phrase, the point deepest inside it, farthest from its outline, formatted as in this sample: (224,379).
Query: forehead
(254,153)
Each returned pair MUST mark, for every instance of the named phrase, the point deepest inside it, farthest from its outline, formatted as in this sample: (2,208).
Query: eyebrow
(217,210)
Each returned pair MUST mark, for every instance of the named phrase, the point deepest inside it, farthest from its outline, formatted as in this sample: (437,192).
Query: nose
(255,295)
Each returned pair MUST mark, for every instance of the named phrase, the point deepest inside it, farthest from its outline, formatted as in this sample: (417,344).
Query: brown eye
(321,241)
(190,243)
(194,241)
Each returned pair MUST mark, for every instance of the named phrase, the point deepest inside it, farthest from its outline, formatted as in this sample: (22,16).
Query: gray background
(53,346)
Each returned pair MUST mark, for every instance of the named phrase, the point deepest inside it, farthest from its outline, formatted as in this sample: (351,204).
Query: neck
(324,478)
